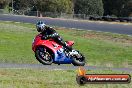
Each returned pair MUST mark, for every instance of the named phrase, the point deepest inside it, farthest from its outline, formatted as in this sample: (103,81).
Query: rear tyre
(44,55)
(78,61)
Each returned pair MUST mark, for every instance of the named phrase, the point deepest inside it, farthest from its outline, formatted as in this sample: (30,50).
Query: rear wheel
(78,60)
(44,56)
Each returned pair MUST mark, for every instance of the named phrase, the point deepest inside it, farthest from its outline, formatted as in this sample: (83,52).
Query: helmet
(40,26)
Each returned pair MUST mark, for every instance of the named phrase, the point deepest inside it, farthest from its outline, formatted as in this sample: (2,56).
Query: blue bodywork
(61,58)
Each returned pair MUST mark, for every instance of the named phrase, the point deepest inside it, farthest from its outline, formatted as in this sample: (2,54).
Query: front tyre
(78,61)
(44,56)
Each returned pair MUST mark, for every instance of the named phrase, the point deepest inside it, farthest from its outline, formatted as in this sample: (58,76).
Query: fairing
(59,56)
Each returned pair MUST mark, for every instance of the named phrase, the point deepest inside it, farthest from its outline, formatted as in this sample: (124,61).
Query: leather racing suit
(49,32)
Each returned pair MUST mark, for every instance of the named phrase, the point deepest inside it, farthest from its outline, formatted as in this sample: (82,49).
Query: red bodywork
(50,43)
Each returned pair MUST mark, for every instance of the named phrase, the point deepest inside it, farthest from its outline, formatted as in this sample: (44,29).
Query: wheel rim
(45,55)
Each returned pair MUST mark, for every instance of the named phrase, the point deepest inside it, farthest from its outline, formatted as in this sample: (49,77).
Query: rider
(49,32)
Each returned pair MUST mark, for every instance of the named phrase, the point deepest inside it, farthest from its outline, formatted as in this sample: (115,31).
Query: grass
(15,43)
(100,49)
(33,78)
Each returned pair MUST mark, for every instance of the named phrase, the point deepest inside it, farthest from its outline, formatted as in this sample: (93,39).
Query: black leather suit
(51,33)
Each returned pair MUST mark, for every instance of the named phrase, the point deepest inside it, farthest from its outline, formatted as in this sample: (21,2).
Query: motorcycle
(48,52)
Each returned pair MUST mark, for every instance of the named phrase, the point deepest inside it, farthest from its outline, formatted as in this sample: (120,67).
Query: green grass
(15,43)
(33,78)
(100,49)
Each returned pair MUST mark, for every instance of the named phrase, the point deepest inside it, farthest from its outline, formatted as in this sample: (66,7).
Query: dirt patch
(111,38)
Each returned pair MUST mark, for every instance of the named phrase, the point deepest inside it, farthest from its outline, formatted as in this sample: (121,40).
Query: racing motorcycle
(48,52)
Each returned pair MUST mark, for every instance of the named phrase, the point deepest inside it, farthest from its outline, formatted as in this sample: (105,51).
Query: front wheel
(44,56)
(78,60)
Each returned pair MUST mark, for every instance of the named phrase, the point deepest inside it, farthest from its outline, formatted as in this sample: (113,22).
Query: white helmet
(40,26)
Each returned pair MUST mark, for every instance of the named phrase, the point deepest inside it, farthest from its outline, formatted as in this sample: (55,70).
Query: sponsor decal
(83,78)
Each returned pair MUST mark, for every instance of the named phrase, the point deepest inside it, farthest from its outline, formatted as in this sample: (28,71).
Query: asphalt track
(86,25)
(105,27)
(58,67)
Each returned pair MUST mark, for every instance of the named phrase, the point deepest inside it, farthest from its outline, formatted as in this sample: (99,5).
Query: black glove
(50,36)
(44,37)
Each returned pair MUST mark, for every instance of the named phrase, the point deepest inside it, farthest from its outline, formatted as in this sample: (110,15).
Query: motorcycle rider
(48,32)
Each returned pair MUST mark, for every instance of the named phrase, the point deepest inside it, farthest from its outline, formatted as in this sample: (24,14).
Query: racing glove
(52,35)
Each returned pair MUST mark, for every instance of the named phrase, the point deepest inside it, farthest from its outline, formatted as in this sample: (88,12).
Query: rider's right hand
(43,37)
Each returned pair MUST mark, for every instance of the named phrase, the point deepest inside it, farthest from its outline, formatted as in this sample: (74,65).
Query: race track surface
(59,67)
(86,25)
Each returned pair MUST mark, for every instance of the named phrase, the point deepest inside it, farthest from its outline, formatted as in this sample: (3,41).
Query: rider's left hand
(44,38)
